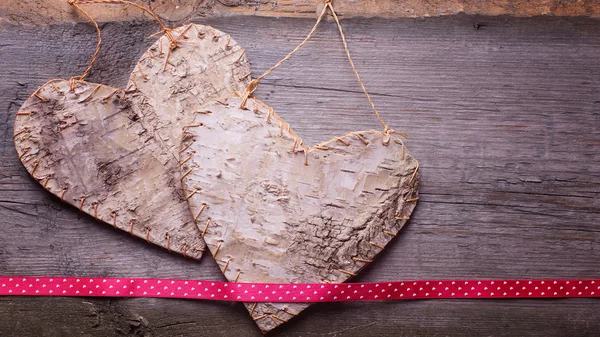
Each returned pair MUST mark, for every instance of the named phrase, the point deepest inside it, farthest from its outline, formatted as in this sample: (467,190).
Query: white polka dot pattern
(255,292)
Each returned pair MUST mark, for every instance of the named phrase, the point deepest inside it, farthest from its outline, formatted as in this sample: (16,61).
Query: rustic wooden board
(504,120)
(180,11)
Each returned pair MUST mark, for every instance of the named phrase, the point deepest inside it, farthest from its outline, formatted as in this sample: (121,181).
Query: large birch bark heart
(114,153)
(271,212)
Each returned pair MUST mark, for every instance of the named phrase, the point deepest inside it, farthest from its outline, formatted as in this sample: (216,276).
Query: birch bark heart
(114,153)
(268,217)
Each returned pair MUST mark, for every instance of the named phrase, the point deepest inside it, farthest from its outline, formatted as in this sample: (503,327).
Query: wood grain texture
(503,119)
(181,11)
(413,8)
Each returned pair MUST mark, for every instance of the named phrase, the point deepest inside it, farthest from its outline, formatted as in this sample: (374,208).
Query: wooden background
(182,11)
(504,119)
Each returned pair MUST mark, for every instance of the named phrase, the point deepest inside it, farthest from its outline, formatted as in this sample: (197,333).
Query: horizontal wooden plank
(178,11)
(503,119)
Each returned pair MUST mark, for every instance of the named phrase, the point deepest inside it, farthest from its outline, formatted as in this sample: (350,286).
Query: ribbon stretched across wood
(293,293)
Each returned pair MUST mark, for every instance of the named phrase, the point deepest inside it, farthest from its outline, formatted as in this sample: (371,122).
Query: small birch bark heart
(272,212)
(114,153)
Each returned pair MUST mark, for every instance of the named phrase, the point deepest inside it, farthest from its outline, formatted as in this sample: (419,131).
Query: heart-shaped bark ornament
(273,210)
(114,153)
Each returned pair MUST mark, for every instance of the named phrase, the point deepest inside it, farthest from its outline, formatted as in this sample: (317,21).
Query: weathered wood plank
(412,8)
(178,11)
(503,119)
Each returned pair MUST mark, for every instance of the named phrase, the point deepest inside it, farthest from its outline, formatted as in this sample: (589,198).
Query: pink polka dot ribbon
(261,292)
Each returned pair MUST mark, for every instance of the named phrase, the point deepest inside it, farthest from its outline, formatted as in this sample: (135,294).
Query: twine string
(362,85)
(252,86)
(328,5)
(75,3)
(98,45)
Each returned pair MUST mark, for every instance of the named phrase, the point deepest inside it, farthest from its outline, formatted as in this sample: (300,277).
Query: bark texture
(113,153)
(273,210)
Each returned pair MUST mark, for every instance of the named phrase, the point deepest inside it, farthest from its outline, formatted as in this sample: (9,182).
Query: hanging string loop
(172,41)
(387,131)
